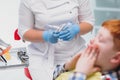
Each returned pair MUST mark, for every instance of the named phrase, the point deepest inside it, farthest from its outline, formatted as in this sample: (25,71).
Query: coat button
(68,2)
(70,12)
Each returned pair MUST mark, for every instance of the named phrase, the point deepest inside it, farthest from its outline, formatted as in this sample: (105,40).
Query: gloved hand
(69,32)
(50,36)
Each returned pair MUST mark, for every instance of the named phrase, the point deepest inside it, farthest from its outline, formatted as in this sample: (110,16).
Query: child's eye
(101,39)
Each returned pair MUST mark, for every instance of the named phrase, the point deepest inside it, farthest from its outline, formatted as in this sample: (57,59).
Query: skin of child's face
(105,43)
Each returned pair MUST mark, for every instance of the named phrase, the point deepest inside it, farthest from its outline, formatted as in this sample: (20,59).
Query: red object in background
(16,36)
(108,79)
(27,73)
(26,70)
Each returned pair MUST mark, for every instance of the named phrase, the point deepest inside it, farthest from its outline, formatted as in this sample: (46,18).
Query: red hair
(114,27)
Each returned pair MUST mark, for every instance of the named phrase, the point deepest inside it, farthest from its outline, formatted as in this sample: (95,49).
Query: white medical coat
(37,13)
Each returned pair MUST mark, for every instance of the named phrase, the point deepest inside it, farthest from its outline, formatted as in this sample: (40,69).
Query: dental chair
(26,70)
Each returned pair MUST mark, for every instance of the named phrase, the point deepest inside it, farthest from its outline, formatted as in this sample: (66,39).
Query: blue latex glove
(50,36)
(69,32)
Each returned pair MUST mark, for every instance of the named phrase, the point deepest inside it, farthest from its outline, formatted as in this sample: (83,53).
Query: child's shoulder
(65,76)
(95,76)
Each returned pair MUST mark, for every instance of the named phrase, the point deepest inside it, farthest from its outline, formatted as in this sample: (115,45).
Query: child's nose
(91,41)
(94,41)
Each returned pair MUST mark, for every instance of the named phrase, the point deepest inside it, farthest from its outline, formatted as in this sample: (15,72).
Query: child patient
(99,61)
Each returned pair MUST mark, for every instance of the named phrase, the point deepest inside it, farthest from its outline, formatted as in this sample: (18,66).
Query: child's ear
(116,58)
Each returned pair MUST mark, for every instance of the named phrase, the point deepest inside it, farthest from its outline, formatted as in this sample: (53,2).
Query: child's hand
(87,60)
(72,63)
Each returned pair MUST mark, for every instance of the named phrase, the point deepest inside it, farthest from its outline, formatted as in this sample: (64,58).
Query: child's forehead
(103,30)
(105,33)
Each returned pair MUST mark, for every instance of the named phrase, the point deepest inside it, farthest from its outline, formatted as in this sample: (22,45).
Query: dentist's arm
(85,28)
(26,28)
(73,29)
(40,36)
(33,35)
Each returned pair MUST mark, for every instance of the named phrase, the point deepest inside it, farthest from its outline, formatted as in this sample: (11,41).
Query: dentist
(54,28)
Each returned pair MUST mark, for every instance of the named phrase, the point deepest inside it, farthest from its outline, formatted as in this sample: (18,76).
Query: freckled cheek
(103,53)
(101,50)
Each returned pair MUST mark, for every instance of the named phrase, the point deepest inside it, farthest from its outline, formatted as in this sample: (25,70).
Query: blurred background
(8,24)
(103,10)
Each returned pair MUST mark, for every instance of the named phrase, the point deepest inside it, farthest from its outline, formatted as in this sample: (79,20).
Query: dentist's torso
(56,12)
(53,12)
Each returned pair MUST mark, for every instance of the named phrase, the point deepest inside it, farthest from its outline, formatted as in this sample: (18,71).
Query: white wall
(9,21)
(8,18)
